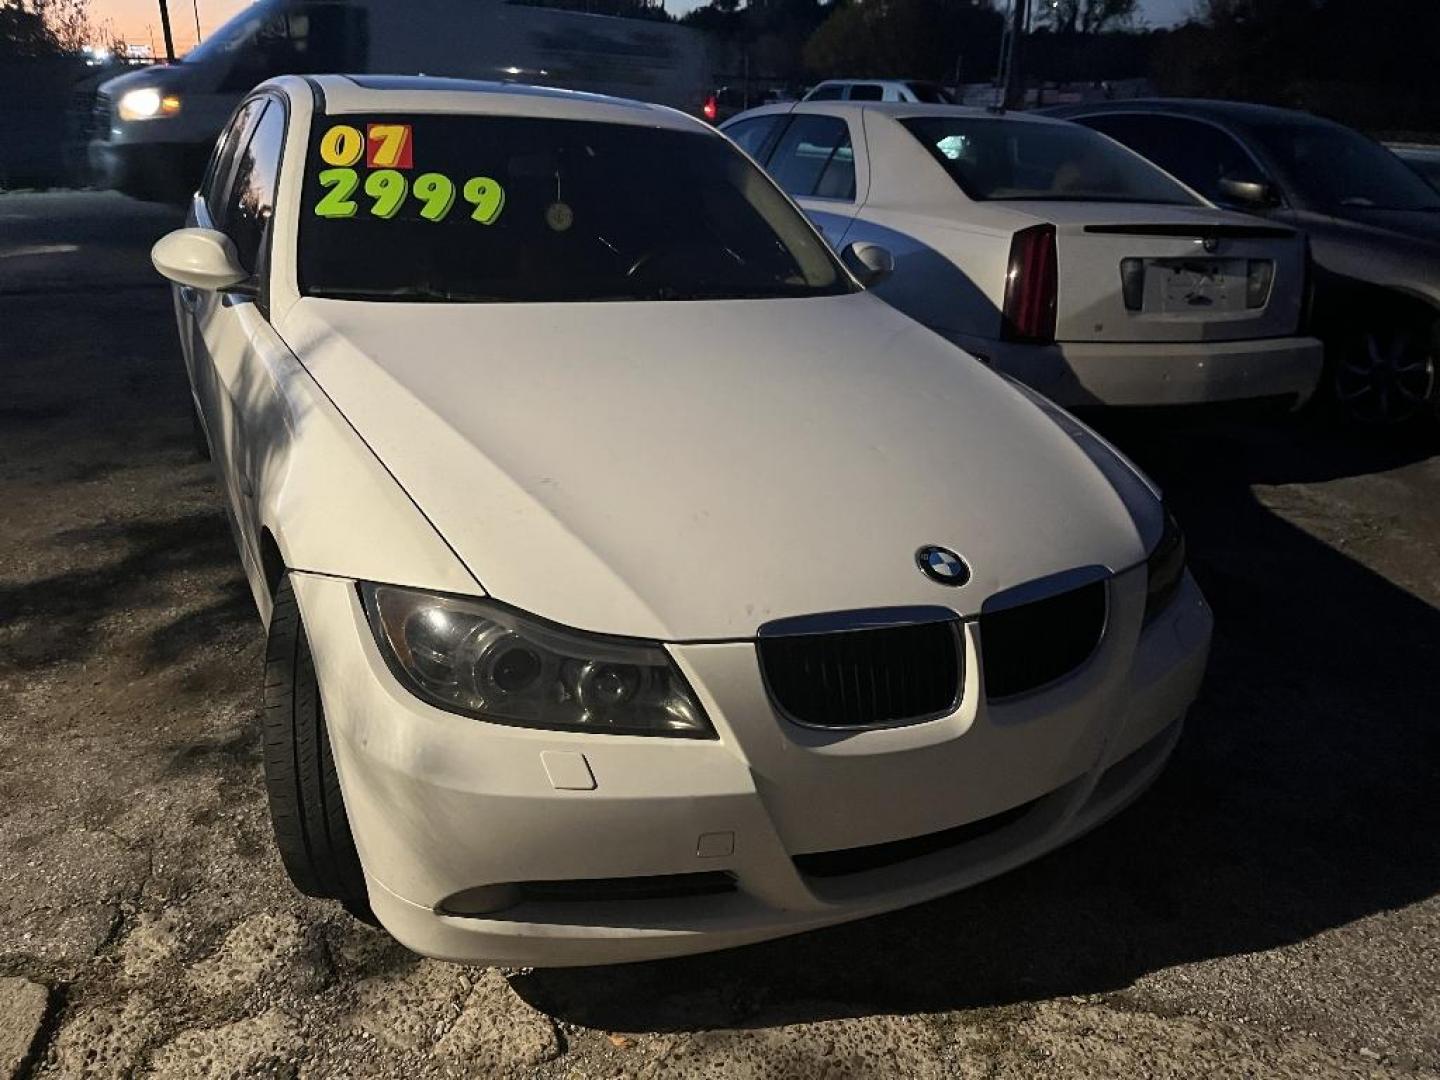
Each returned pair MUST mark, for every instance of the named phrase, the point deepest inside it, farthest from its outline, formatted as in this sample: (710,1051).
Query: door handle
(189,297)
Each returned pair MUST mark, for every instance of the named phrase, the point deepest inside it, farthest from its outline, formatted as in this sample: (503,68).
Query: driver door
(233,338)
(205,211)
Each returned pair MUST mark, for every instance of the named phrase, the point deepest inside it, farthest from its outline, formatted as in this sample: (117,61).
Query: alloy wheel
(1386,375)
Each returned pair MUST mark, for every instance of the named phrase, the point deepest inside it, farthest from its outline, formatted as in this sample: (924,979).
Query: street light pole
(1013,89)
(165,27)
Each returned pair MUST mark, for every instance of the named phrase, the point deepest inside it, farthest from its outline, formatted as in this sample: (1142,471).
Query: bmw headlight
(484,660)
(1164,568)
(146,104)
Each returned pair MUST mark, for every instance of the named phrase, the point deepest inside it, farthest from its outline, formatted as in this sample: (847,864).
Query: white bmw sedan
(1049,251)
(635,582)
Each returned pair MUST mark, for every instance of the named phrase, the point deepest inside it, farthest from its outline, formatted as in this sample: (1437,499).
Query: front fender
(325,499)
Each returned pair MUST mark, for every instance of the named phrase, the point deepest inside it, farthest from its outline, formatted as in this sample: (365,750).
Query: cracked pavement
(1269,909)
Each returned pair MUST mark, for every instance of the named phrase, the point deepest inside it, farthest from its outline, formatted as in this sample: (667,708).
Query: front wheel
(306,807)
(199,441)
(1384,375)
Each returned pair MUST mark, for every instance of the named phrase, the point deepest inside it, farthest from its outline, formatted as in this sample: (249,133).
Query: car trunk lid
(1139,273)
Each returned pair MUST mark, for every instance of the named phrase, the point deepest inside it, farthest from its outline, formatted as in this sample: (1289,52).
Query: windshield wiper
(408,292)
(733,293)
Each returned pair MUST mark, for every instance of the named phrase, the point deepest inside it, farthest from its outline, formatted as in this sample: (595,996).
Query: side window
(867,92)
(251,201)
(814,157)
(827,92)
(1195,152)
(222,161)
(752,135)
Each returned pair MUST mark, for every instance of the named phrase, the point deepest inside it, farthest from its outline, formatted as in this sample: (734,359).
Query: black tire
(306,807)
(199,443)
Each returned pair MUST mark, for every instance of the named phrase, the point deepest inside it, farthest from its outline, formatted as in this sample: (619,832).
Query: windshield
(234,34)
(1010,159)
(1334,167)
(503,208)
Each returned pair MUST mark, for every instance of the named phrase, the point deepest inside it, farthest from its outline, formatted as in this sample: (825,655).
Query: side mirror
(1249,192)
(200,258)
(870,263)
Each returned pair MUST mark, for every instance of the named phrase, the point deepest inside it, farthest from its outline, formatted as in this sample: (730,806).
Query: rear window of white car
(1003,160)
(474,208)
(930,93)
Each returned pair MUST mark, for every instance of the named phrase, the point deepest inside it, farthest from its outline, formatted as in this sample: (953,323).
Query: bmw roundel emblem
(942,565)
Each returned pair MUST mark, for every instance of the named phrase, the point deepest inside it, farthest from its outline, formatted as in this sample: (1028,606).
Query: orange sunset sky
(136,20)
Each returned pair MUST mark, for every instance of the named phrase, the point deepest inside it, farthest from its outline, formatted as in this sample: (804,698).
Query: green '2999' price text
(388,189)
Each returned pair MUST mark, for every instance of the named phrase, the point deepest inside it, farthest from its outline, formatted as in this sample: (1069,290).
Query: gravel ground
(1269,909)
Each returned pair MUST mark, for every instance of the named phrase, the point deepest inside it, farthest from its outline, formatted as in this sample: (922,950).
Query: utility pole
(196,4)
(165,28)
(1012,82)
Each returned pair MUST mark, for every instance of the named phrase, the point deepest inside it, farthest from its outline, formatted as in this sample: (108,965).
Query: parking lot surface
(1268,909)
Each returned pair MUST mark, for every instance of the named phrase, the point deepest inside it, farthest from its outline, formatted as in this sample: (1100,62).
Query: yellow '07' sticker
(342,145)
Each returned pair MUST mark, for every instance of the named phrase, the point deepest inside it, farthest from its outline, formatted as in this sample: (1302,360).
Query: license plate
(1197,285)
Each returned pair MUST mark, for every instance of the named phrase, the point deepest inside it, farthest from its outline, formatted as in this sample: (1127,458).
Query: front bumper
(154,171)
(1159,373)
(439,803)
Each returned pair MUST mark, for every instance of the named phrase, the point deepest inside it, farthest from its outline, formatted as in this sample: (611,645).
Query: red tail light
(711,108)
(1031,285)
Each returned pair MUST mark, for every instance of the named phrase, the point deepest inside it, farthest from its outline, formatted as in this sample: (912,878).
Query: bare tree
(68,23)
(1086,16)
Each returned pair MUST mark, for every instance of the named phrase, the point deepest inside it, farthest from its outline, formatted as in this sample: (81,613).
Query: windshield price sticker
(387,149)
(387,146)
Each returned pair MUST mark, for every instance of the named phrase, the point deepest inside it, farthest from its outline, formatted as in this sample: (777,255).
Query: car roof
(899,110)
(1240,112)
(889,81)
(420,93)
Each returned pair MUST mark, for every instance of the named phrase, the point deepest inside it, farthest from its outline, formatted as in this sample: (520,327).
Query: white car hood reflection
(693,470)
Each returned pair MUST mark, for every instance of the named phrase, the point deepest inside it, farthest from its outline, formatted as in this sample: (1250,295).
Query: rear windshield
(1006,159)
(494,209)
(930,93)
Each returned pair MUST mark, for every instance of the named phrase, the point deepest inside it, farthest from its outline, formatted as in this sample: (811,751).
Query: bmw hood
(693,470)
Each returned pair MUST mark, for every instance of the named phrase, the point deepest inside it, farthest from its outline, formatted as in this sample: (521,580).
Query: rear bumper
(1160,373)
(440,803)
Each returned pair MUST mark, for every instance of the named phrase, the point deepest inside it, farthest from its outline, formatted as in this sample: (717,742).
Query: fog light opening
(481,900)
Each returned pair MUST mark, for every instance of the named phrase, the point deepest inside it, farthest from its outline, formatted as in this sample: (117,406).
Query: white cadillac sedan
(1049,251)
(635,582)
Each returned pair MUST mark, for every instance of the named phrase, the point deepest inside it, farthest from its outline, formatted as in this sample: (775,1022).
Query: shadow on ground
(1302,797)
(60,616)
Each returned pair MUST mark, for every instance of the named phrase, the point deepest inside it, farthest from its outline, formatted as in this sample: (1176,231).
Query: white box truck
(150,131)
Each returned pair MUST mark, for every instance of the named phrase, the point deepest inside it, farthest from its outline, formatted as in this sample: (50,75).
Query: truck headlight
(1164,568)
(147,103)
(481,659)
